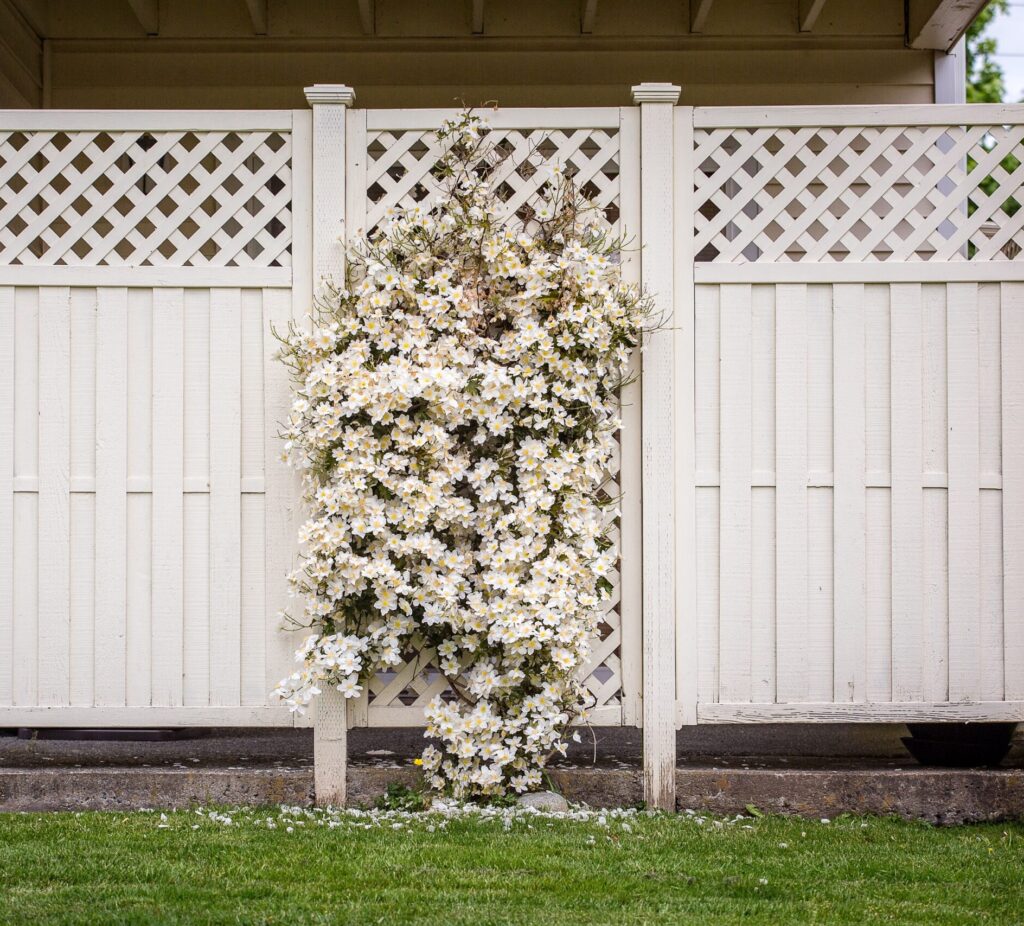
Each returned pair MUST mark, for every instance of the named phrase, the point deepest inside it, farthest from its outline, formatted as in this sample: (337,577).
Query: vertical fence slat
(1012,346)
(762,515)
(24,639)
(168,501)
(907,497)
(735,500)
(850,498)
(139,504)
(660,377)
(964,493)
(83,504)
(990,597)
(935,593)
(196,505)
(991,682)
(54,488)
(6,491)
(878,510)
(819,645)
(111,497)
(252,525)
(791,490)
(281,500)
(225,500)
(707,418)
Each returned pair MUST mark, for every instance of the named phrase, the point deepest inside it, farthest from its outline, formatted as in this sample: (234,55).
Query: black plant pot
(959,745)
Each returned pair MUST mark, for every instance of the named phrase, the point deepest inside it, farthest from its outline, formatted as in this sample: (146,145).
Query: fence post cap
(656,93)
(330,93)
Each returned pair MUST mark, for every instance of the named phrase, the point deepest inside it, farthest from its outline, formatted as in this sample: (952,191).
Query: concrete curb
(132,788)
(935,795)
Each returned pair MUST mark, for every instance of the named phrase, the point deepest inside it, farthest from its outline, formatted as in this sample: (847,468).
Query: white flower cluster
(454,416)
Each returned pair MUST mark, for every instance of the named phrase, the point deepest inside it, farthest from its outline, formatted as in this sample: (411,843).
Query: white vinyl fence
(857,339)
(823,467)
(145,523)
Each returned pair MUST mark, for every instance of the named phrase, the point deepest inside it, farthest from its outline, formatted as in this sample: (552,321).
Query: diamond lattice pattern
(130,198)
(890,193)
(400,173)
(402,165)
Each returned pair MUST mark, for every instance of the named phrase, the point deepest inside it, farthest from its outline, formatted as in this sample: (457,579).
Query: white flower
(349,687)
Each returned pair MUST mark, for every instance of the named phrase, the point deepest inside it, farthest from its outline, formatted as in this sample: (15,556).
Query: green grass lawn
(139,868)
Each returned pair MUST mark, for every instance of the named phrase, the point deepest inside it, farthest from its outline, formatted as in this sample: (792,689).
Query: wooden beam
(258,15)
(588,14)
(34,12)
(939,24)
(810,10)
(478,17)
(699,10)
(366,17)
(147,12)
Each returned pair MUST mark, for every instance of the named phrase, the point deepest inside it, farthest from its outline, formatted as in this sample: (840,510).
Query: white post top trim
(656,93)
(330,93)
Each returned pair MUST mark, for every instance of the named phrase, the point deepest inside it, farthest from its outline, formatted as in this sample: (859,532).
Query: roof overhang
(939,24)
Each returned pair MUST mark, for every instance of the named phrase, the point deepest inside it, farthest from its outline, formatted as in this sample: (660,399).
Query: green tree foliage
(986,84)
(985,81)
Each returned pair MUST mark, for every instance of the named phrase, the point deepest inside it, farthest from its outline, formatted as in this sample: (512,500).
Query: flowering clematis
(455,411)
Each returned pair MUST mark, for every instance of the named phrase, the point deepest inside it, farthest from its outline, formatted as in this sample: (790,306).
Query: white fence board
(7,368)
(1011,298)
(138,506)
(735,607)
(850,527)
(225,496)
(907,495)
(54,516)
(964,500)
(111,495)
(196,514)
(26,455)
(791,518)
(168,502)
(763,613)
(281,513)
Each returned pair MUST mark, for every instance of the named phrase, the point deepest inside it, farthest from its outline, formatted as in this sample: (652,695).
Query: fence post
(329,103)
(657,227)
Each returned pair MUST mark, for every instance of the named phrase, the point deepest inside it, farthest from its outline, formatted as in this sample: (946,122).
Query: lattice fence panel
(400,173)
(401,167)
(160,198)
(855,193)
